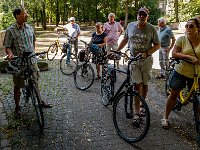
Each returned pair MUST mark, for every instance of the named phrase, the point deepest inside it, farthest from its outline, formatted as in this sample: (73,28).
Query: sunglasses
(191,26)
(142,14)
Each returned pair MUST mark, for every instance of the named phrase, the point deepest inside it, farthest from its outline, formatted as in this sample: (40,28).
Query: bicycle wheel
(196,109)
(52,52)
(84,76)
(68,69)
(37,103)
(127,127)
(106,88)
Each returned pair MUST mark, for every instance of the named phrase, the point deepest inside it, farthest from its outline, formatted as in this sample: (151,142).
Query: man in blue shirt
(167,40)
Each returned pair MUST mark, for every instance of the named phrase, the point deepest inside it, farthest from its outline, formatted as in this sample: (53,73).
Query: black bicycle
(69,60)
(84,73)
(129,124)
(19,66)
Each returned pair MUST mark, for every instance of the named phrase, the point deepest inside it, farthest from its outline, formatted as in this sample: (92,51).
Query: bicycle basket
(65,47)
(81,55)
(95,49)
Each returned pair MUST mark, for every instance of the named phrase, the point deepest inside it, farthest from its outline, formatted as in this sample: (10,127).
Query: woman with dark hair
(186,47)
(99,38)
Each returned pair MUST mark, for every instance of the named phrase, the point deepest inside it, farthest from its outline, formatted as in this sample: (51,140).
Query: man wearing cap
(167,40)
(113,30)
(74,31)
(144,41)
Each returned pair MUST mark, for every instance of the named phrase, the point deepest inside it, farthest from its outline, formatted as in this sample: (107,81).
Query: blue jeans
(68,54)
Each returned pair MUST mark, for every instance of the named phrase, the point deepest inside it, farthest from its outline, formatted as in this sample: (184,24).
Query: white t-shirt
(73,30)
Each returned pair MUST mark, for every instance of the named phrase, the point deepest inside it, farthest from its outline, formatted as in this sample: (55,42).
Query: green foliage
(90,10)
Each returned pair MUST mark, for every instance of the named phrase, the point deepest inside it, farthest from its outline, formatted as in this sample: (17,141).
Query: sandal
(165,123)
(97,77)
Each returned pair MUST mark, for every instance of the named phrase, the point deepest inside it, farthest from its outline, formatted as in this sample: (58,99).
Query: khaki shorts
(19,80)
(141,70)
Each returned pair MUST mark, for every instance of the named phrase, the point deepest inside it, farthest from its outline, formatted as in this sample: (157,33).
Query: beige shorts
(19,80)
(141,70)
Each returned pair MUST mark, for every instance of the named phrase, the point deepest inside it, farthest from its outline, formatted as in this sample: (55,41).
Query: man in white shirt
(74,31)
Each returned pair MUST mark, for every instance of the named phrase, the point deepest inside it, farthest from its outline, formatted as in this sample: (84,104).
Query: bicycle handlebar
(125,55)
(26,55)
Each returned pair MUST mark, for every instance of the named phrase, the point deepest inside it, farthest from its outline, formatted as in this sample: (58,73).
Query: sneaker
(69,65)
(136,121)
(165,123)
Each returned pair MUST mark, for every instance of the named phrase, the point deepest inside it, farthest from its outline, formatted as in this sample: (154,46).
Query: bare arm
(172,44)
(122,44)
(176,53)
(104,42)
(9,53)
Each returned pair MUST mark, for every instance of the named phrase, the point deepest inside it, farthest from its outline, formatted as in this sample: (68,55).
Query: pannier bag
(65,47)
(81,55)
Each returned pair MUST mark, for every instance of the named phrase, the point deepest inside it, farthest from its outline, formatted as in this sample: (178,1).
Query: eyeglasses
(191,26)
(142,14)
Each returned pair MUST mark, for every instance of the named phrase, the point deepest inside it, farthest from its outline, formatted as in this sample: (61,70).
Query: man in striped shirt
(113,30)
(19,38)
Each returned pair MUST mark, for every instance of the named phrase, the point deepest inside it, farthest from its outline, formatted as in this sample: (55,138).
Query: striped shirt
(20,40)
(112,31)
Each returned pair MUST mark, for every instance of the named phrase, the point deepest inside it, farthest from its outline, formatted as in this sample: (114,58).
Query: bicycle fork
(128,102)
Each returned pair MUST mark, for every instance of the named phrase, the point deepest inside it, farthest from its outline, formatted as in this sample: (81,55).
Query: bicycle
(84,73)
(191,95)
(53,48)
(69,60)
(124,101)
(30,90)
(125,59)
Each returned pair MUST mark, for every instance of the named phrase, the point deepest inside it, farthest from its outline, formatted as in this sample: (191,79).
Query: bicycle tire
(52,52)
(37,103)
(68,69)
(123,117)
(106,88)
(84,76)
(196,109)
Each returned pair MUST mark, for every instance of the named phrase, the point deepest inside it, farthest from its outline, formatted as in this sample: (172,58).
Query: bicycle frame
(193,89)
(126,83)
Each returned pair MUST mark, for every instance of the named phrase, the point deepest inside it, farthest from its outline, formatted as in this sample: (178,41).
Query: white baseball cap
(72,18)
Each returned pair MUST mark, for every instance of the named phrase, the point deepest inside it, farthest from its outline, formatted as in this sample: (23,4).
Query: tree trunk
(44,15)
(176,10)
(57,13)
(126,16)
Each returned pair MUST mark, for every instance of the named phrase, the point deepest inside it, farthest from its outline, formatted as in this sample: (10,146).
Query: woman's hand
(194,60)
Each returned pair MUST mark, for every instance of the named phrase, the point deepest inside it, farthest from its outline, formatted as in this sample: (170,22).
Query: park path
(79,121)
